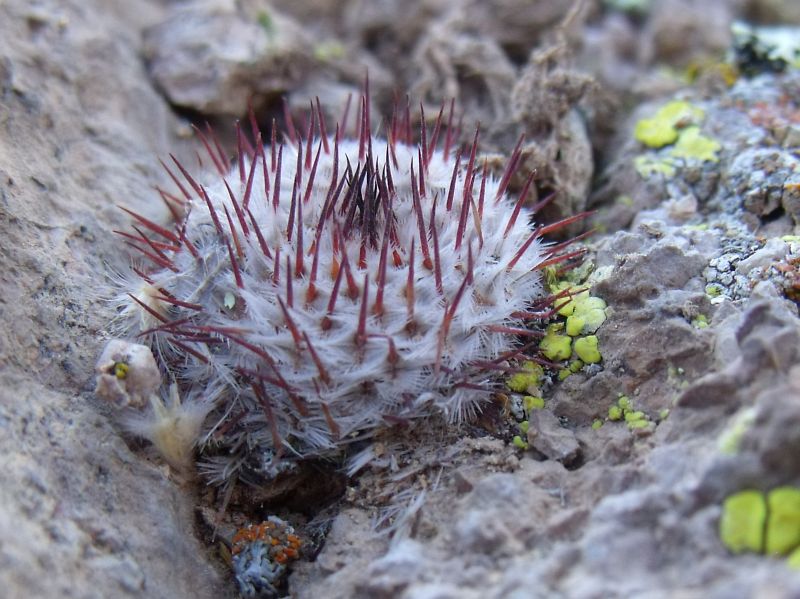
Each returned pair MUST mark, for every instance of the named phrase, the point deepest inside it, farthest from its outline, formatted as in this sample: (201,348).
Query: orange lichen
(283,545)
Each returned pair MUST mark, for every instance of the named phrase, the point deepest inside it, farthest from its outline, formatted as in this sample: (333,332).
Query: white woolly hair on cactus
(333,287)
(172,426)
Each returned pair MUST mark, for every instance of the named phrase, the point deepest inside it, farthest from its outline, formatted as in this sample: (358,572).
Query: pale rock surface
(80,129)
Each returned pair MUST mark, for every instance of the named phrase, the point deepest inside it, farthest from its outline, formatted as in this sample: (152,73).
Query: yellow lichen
(783,522)
(692,145)
(554,346)
(587,350)
(741,527)
(662,129)
(650,164)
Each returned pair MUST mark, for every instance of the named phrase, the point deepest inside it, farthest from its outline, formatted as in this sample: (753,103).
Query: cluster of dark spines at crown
(356,209)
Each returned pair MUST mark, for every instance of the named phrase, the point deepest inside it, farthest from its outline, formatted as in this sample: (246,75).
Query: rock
(759,176)
(127,374)
(678,31)
(391,574)
(350,546)
(545,434)
(80,514)
(213,57)
(452,61)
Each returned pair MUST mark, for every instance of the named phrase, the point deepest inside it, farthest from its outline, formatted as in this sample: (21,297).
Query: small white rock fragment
(127,374)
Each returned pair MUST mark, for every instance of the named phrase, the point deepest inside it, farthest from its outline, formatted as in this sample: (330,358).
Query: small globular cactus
(324,289)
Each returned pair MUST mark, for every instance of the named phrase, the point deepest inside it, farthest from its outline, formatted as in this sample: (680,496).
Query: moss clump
(741,527)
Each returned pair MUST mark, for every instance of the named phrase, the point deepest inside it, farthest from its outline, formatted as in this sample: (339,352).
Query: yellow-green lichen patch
(718,71)
(555,346)
(741,527)
(575,366)
(700,322)
(575,324)
(676,125)
(566,305)
(585,313)
(624,200)
(524,426)
(662,129)
(783,522)
(793,561)
(597,424)
(634,419)
(571,338)
(528,380)
(633,416)
(655,133)
(529,402)
(713,290)
(693,145)
(329,50)
(593,312)
(519,443)
(651,164)
(587,350)
(730,439)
